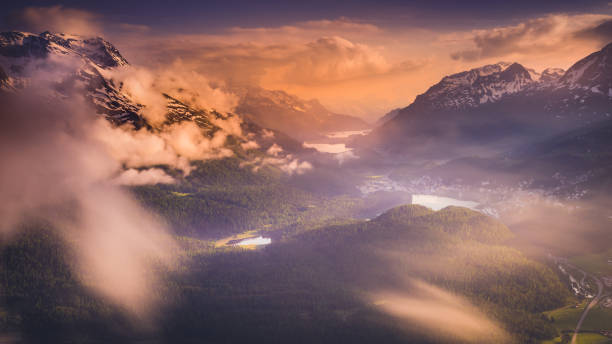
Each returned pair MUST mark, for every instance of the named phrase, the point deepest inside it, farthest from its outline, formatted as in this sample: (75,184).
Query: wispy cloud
(539,36)
(440,314)
(57,19)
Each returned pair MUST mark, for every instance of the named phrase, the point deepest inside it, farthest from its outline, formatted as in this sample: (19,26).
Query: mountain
(96,50)
(495,108)
(22,52)
(387,117)
(593,72)
(301,119)
(3,78)
(572,166)
(474,87)
(551,75)
(336,279)
(23,55)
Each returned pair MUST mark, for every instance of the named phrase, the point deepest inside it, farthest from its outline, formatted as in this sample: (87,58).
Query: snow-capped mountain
(495,106)
(593,72)
(474,87)
(97,50)
(550,75)
(22,52)
(90,60)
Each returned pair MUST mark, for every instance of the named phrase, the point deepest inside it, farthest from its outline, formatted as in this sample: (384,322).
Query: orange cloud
(559,34)
(352,66)
(328,59)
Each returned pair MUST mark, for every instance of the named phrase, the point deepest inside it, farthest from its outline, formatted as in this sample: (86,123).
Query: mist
(216,181)
(439,314)
(51,163)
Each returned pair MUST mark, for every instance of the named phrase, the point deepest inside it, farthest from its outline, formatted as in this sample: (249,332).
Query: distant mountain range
(496,108)
(302,119)
(276,111)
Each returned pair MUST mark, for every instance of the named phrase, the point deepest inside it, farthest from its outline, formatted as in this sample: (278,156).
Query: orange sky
(353,66)
(362,69)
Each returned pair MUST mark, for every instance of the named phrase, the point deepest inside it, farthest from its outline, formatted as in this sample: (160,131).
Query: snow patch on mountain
(476,86)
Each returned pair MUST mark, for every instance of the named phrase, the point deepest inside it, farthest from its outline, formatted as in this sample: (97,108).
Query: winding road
(592,303)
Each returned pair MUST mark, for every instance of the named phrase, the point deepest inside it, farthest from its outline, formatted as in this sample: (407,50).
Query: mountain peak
(592,72)
(516,69)
(24,44)
(551,75)
(476,86)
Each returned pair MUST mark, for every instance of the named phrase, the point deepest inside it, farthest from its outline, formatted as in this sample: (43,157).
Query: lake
(257,241)
(440,202)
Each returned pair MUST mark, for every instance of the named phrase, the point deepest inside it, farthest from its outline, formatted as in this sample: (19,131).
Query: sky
(361,58)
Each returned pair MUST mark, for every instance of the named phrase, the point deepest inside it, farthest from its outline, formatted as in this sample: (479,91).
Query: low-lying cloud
(277,158)
(174,145)
(147,86)
(143,177)
(51,163)
(440,314)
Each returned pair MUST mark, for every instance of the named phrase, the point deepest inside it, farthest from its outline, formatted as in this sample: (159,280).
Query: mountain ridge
(302,119)
(23,55)
(497,106)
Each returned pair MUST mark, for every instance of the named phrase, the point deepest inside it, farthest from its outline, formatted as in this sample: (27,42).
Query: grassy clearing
(596,263)
(583,338)
(599,318)
(566,317)
(592,338)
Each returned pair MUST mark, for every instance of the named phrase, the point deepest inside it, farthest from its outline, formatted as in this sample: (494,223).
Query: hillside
(298,118)
(496,108)
(318,278)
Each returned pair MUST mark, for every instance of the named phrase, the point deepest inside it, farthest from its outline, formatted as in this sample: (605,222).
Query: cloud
(601,33)
(249,145)
(290,166)
(340,72)
(274,150)
(352,66)
(343,157)
(309,29)
(343,62)
(438,313)
(175,145)
(56,151)
(143,177)
(57,19)
(147,86)
(54,171)
(135,28)
(552,33)
(328,59)
(276,157)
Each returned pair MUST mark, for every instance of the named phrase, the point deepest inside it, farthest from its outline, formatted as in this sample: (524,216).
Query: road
(594,301)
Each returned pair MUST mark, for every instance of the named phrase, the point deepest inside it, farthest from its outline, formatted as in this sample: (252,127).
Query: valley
(146,204)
